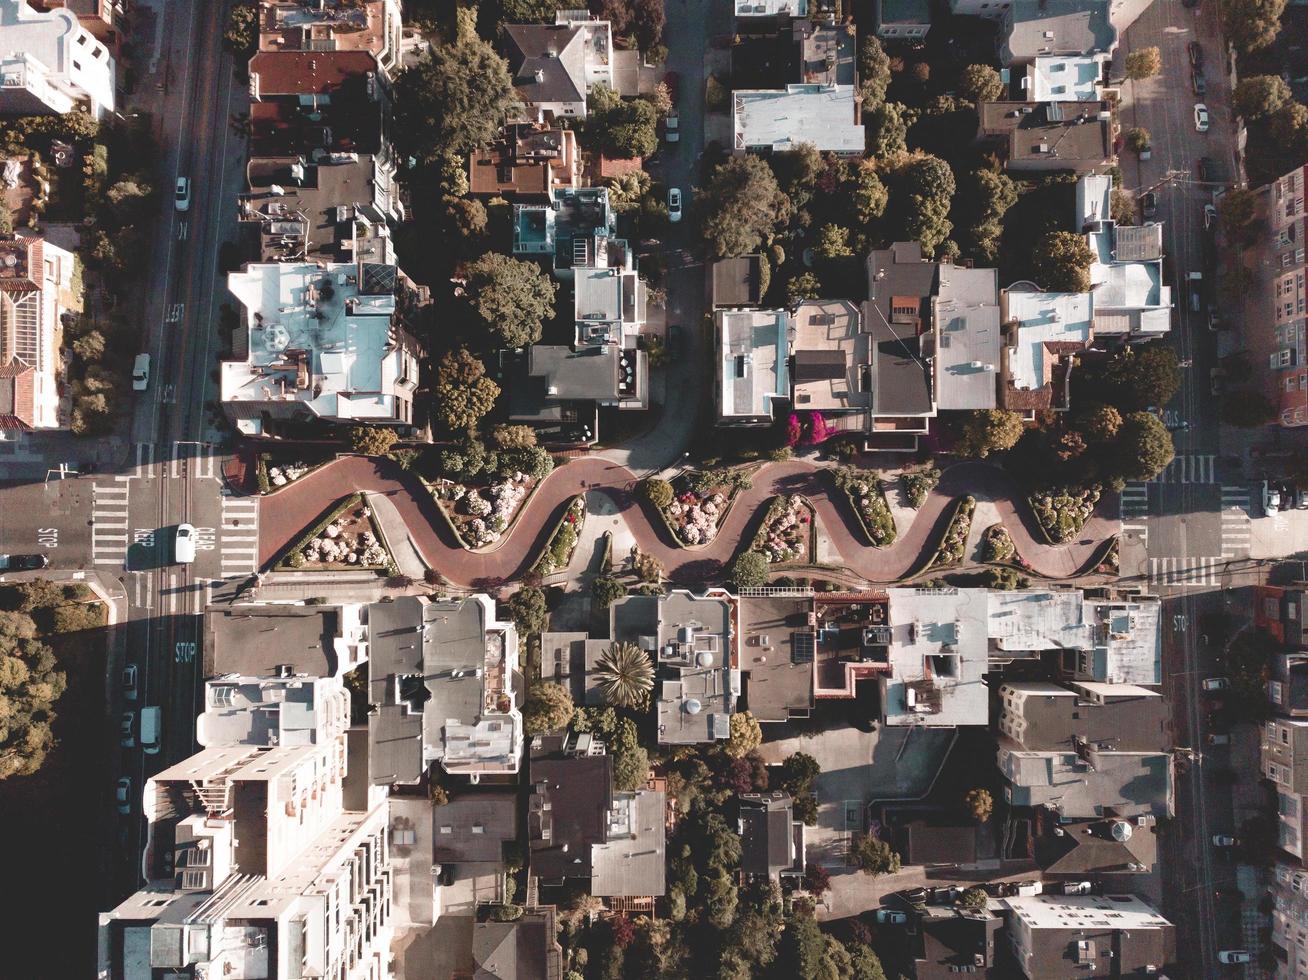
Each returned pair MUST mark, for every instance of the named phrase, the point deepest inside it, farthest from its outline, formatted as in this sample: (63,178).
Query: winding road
(284,515)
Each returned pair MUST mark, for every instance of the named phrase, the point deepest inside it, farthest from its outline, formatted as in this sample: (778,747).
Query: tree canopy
(1256,96)
(1143,63)
(1142,376)
(1251,24)
(548,708)
(989,431)
(463,393)
(980,83)
(1144,446)
(922,193)
(621,128)
(873,73)
(510,297)
(1062,262)
(873,856)
(748,570)
(742,206)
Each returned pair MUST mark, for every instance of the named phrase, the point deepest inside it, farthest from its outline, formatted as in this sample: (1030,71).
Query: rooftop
(1090,783)
(771,8)
(255,640)
(897,316)
(304,25)
(525,160)
(768,835)
(630,863)
(1128,641)
(832,357)
(1095,935)
(752,368)
(473,828)
(307,72)
(826,54)
(1118,717)
(780,676)
(969,335)
(736,281)
(938,654)
(565,227)
(1057,27)
(780,119)
(548,62)
(1065,78)
(1044,328)
(272,710)
(568,813)
(1087,847)
(1051,135)
(603,374)
(524,949)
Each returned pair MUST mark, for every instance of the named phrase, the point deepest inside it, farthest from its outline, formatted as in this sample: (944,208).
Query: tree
(642,19)
(1289,127)
(510,297)
(988,431)
(1247,409)
(974,899)
(548,708)
(241,33)
(922,193)
(872,855)
(979,804)
(1138,377)
(867,194)
(832,242)
(370,440)
(1252,24)
(874,73)
(658,492)
(89,346)
(1144,447)
(1099,423)
(467,221)
(621,128)
(797,172)
(463,392)
(607,590)
(803,286)
(799,953)
(1239,213)
(742,206)
(864,963)
(887,129)
(630,760)
(817,879)
(624,676)
(529,611)
(513,436)
(626,190)
(1062,262)
(748,570)
(1143,63)
(798,771)
(451,102)
(1257,96)
(988,195)
(1138,139)
(746,735)
(980,83)
(532,461)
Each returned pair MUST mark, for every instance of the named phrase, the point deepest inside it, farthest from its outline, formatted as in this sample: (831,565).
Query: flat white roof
(1044,318)
(1085,912)
(1038,619)
(1065,78)
(967,351)
(770,8)
(1094,199)
(938,654)
(754,345)
(781,119)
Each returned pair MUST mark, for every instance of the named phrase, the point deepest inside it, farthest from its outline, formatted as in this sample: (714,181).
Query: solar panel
(803,645)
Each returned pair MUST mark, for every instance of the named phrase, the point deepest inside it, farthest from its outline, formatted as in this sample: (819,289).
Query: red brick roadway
(285,514)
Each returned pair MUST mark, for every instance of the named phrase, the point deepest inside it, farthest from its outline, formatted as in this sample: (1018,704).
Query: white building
(1088,936)
(938,656)
(50,63)
(778,120)
(1042,331)
(36,289)
(1066,78)
(319,341)
(1129,296)
(752,349)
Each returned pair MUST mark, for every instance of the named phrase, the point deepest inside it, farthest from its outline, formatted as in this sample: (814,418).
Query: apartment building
(751,364)
(36,290)
(1282,255)
(1288,893)
(1283,758)
(106,19)
(1087,936)
(372,26)
(51,63)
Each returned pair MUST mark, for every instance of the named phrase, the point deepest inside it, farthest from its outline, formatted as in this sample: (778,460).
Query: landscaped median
(1062,512)
(953,545)
(270,475)
(482,515)
(868,500)
(695,504)
(786,534)
(345,539)
(563,542)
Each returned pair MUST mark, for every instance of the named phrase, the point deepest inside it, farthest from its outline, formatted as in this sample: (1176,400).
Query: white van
(184,544)
(151,724)
(141,372)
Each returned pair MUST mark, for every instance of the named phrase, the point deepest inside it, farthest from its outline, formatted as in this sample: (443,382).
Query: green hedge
(877,521)
(953,543)
(563,541)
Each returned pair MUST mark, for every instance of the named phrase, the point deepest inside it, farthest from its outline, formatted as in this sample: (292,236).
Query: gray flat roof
(252,640)
(777,688)
(736,281)
(969,338)
(897,315)
(1042,27)
(473,827)
(631,862)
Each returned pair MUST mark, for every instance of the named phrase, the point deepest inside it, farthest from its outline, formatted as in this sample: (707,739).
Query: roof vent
(693,707)
(1121,831)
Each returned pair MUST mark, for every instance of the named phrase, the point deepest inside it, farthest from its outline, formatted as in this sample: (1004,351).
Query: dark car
(23,563)
(1203,169)
(1196,52)
(673,343)
(1149,204)
(1197,83)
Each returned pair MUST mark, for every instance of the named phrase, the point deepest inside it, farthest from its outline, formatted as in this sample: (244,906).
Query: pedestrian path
(109,532)
(1190,468)
(1134,509)
(239,537)
(1184,572)
(1236,527)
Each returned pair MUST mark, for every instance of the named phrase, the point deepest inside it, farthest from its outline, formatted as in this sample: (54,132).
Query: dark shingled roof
(579,791)
(765,833)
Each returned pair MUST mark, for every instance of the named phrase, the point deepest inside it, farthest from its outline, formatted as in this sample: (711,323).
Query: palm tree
(625,675)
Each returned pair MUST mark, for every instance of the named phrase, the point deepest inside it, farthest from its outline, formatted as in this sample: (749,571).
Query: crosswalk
(1236,527)
(1185,572)
(109,532)
(1134,509)
(200,459)
(1190,468)
(239,537)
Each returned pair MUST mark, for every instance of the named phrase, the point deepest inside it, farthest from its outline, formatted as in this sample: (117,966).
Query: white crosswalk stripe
(1236,528)
(239,537)
(1188,468)
(109,531)
(199,458)
(145,460)
(1133,509)
(1185,571)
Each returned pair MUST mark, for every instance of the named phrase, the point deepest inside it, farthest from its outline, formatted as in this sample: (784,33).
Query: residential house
(937,653)
(848,640)
(443,686)
(902,20)
(560,390)
(312,641)
(37,288)
(1287,889)
(374,26)
(525,949)
(260,862)
(105,19)
(937,844)
(472,829)
(1279,612)
(571,659)
(526,161)
(609,297)
(1284,760)
(1042,716)
(779,120)
(831,362)
(284,708)
(738,281)
(317,104)
(965,310)
(1066,78)
(990,9)
(1087,936)
(1129,297)
(52,64)
(566,229)
(946,941)
(1085,782)
(751,364)
(1045,137)
(1042,334)
(1076,849)
(1029,29)
(1287,684)
(322,342)
(751,14)
(771,839)
(555,65)
(581,827)
(897,316)
(774,657)
(1281,251)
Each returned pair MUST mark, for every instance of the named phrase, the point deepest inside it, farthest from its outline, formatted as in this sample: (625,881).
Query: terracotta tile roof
(17,396)
(308,72)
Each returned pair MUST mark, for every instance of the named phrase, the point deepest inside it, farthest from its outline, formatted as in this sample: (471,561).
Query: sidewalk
(396,535)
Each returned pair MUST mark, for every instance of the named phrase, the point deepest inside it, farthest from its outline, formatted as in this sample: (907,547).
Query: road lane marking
(109,519)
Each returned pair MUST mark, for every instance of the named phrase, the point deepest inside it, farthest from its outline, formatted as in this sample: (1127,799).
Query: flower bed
(997,545)
(1062,513)
(787,531)
(346,538)
(954,543)
(868,500)
(558,551)
(270,477)
(918,485)
(700,504)
(481,515)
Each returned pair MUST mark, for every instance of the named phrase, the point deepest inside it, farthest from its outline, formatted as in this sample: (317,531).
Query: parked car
(151,724)
(1149,204)
(141,372)
(184,544)
(1210,217)
(1077,887)
(673,343)
(1214,320)
(1190,4)
(23,563)
(914,896)
(1271,499)
(1030,887)
(1204,169)
(129,682)
(891,917)
(1196,52)
(1301,499)
(674,204)
(123,794)
(182,196)
(1224,840)
(1218,738)
(1198,84)
(670,131)
(1200,118)
(1234,956)
(1215,684)
(1195,280)
(127,730)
